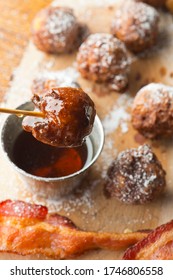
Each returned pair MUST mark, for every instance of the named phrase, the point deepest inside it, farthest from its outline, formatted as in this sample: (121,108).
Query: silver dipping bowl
(51,188)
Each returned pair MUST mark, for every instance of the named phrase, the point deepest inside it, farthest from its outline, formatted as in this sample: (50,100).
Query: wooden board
(15,22)
(88,207)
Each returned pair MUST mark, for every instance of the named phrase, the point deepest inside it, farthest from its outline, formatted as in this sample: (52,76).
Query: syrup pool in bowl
(47,161)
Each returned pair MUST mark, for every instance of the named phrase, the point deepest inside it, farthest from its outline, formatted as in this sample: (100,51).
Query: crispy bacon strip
(29,229)
(158,245)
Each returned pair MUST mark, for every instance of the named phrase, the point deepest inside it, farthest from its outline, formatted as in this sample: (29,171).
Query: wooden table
(15,20)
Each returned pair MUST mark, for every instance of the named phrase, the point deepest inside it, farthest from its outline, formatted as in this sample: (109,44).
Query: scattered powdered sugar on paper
(20,90)
(148,216)
(68,75)
(109,153)
(81,201)
(62,78)
(118,116)
(69,204)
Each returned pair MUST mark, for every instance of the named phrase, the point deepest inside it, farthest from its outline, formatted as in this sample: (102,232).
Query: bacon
(158,245)
(22,209)
(29,229)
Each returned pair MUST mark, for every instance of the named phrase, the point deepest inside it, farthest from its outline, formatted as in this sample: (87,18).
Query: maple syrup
(48,161)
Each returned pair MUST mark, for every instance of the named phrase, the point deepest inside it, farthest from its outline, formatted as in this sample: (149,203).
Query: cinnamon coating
(103,58)
(136,24)
(135,176)
(56,30)
(69,117)
(152,111)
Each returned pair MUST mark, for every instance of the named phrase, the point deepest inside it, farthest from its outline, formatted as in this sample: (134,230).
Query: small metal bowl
(51,188)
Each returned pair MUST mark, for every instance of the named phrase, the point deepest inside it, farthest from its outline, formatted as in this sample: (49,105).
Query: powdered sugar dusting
(155,92)
(58,23)
(136,176)
(144,17)
(104,59)
(104,47)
